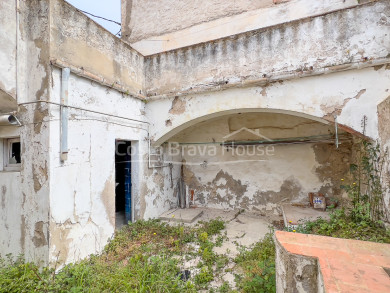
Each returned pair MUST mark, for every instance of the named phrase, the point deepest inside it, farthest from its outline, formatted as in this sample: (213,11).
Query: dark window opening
(15,153)
(12,154)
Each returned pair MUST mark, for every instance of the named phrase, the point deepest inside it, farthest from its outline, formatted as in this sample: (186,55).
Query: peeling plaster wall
(79,41)
(26,193)
(33,84)
(357,34)
(285,11)
(349,94)
(261,177)
(139,18)
(25,208)
(11,201)
(67,210)
(160,188)
(8,55)
(82,198)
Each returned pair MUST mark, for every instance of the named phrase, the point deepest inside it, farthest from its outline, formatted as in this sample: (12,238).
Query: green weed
(258,264)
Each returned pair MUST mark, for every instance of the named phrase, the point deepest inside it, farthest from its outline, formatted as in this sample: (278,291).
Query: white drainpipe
(64,114)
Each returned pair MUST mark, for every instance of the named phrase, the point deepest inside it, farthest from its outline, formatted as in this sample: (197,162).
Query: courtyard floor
(242,230)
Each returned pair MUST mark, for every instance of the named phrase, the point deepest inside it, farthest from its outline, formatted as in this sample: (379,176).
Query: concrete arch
(349,95)
(175,129)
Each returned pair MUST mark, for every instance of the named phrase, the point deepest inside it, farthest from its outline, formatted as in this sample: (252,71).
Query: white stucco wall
(8,56)
(11,200)
(349,94)
(82,197)
(342,40)
(24,225)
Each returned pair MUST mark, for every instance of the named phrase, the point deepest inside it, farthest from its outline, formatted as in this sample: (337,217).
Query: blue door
(128,189)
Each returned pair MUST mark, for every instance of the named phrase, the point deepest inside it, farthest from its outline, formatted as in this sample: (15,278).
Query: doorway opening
(122,183)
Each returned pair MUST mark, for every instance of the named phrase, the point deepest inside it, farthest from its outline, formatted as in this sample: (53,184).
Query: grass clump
(210,262)
(140,274)
(342,225)
(142,257)
(258,264)
(138,259)
(212,227)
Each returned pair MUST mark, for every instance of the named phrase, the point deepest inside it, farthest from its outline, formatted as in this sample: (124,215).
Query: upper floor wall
(7,56)
(36,34)
(78,42)
(142,19)
(350,38)
(272,14)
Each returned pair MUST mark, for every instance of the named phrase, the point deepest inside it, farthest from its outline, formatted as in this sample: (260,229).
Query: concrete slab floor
(242,228)
(294,215)
(181,215)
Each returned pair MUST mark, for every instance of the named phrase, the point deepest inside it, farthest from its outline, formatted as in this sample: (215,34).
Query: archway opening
(259,160)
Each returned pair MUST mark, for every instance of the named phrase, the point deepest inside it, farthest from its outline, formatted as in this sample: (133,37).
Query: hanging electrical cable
(289,140)
(106,19)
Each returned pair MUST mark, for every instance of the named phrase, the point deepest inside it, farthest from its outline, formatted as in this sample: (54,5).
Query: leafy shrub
(366,189)
(138,259)
(342,225)
(363,218)
(212,227)
(258,265)
(204,276)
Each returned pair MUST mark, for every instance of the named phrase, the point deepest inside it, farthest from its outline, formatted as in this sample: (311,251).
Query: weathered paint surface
(297,272)
(270,15)
(8,56)
(362,36)
(64,211)
(11,201)
(142,16)
(260,177)
(25,205)
(82,43)
(82,197)
(160,188)
(35,221)
(350,95)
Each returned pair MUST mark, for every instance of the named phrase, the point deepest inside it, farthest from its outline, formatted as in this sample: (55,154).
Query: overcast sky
(110,9)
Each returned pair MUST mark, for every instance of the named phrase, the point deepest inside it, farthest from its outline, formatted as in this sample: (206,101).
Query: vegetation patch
(342,225)
(258,266)
(145,256)
(363,218)
(138,259)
